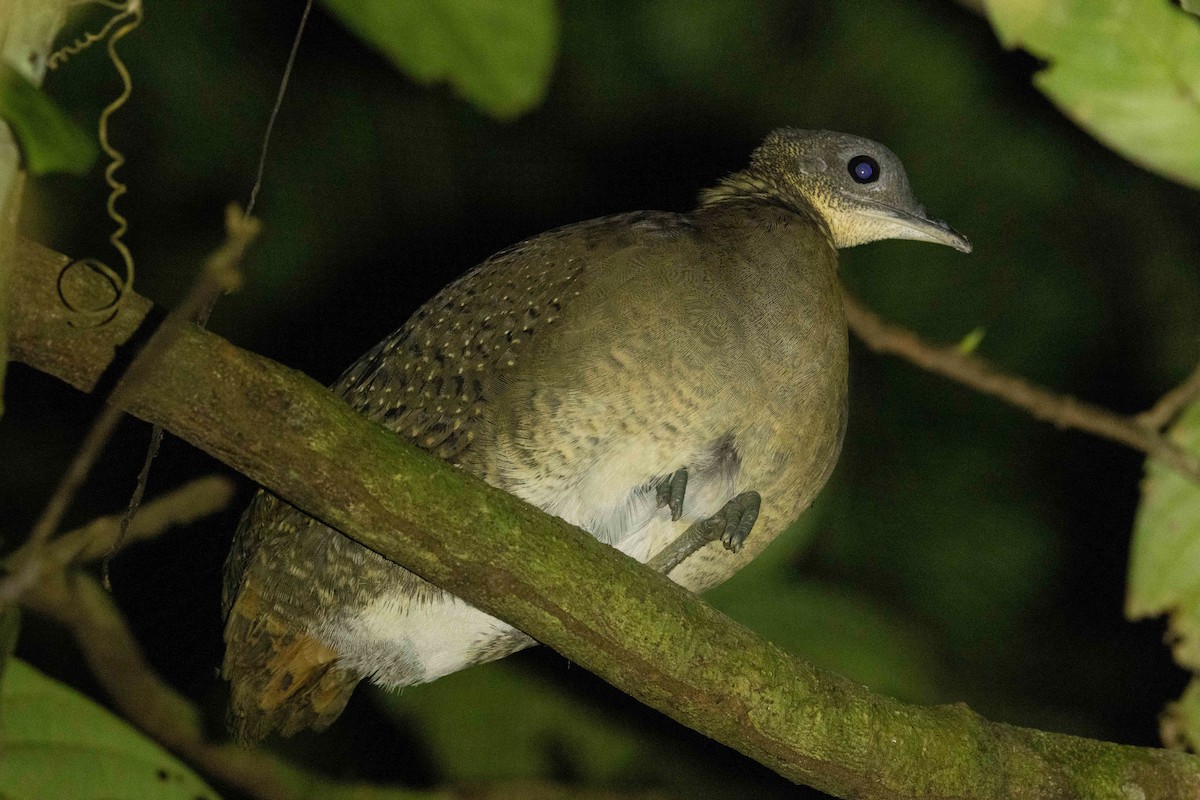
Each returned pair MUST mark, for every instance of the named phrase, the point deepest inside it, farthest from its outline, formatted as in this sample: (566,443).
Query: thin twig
(283,84)
(186,504)
(12,585)
(1163,413)
(221,274)
(102,429)
(78,602)
(135,502)
(1060,410)
(204,298)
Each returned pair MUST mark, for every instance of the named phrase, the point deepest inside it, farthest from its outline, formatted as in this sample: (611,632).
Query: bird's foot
(732,525)
(737,518)
(671,492)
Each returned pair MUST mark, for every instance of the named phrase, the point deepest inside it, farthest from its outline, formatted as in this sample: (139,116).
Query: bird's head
(856,185)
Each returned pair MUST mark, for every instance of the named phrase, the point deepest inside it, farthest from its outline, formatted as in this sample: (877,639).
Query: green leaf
(1180,721)
(970,343)
(50,141)
(1164,565)
(497,54)
(59,745)
(1126,72)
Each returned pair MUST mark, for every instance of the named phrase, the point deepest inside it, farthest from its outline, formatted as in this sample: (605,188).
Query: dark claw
(671,492)
(739,514)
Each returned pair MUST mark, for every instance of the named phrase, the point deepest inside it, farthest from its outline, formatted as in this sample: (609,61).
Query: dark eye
(864,169)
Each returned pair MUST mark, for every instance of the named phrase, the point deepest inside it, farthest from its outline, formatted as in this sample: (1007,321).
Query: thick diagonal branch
(596,606)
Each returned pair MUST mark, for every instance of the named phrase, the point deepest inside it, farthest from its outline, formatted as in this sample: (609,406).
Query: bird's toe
(740,514)
(672,491)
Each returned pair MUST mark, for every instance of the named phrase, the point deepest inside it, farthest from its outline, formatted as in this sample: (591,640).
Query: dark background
(962,551)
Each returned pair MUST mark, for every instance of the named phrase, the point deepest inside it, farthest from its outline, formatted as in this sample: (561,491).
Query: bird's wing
(429,381)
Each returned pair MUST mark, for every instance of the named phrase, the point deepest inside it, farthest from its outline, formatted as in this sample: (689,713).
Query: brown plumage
(580,370)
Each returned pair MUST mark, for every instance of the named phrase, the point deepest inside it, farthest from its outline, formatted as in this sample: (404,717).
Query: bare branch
(1163,413)
(193,501)
(1060,410)
(28,564)
(68,486)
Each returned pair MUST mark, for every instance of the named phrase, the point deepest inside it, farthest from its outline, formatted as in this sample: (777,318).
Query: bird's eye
(864,169)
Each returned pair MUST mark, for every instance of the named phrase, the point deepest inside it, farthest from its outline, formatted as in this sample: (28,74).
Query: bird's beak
(920,226)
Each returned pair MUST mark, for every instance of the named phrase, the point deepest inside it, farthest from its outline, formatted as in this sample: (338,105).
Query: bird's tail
(280,678)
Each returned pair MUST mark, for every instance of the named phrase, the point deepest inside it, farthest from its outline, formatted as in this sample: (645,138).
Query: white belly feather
(397,642)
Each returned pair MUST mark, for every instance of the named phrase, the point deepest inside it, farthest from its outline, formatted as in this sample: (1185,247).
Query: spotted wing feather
(430,383)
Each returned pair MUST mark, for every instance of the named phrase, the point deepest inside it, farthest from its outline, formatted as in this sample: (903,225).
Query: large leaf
(1164,566)
(50,140)
(498,54)
(1126,71)
(55,744)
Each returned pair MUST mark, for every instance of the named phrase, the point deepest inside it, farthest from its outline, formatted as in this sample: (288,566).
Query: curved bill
(922,227)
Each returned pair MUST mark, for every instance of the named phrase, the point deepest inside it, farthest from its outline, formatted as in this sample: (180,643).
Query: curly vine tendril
(64,53)
(130,14)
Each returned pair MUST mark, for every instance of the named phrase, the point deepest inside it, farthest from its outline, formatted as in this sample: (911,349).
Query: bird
(637,375)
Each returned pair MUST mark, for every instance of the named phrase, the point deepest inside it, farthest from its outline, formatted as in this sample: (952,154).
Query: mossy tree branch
(596,606)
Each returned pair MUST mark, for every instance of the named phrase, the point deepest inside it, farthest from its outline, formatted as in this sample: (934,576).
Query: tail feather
(281,678)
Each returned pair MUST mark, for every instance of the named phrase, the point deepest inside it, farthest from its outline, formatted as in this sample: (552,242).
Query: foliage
(1128,73)
(1164,569)
(50,140)
(58,745)
(497,54)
